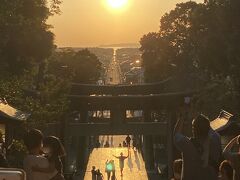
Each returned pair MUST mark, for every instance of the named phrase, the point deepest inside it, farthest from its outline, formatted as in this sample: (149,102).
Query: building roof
(10,112)
(225,124)
(222,121)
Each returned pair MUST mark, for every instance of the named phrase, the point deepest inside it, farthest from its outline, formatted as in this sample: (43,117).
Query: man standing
(94,173)
(121,159)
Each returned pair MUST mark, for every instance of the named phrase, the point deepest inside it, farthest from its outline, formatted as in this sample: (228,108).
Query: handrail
(12,173)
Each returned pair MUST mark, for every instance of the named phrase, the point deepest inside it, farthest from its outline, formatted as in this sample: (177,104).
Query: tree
(26,39)
(81,67)
(25,46)
(171,50)
(201,41)
(155,52)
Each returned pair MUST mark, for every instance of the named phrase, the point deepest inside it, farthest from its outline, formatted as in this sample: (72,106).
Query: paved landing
(134,168)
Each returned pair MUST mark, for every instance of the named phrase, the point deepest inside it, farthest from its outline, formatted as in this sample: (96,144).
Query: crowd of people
(44,158)
(110,168)
(202,155)
(110,165)
(125,143)
(135,143)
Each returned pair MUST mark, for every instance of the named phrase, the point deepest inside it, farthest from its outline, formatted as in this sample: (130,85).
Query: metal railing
(12,174)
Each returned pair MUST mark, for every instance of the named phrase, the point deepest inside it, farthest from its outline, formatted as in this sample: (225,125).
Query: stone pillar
(82,152)
(170,146)
(148,151)
(83,115)
(118,114)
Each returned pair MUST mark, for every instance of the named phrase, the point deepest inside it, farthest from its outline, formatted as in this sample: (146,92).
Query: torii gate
(118,99)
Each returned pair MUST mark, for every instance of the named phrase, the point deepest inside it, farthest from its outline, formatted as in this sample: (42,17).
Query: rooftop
(10,112)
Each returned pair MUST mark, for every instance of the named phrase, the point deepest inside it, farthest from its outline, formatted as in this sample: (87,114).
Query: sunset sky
(98,22)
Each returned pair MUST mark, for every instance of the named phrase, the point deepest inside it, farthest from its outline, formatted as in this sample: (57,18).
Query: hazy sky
(93,22)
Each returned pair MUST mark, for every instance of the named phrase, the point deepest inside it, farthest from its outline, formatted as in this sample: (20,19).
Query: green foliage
(11,89)
(16,153)
(82,66)
(218,94)
(199,40)
(55,6)
(18,146)
(25,46)
(155,52)
(26,39)
(49,103)
(45,106)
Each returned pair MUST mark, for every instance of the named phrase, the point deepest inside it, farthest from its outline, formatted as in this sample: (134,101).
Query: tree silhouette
(199,40)
(26,39)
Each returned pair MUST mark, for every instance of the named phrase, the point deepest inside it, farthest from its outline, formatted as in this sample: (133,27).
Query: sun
(117,4)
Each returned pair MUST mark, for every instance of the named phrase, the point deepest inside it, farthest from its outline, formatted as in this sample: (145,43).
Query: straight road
(134,164)
(113,75)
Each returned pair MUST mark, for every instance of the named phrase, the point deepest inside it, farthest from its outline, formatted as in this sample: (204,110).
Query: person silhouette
(128,140)
(94,173)
(113,168)
(121,159)
(99,175)
(108,168)
(107,144)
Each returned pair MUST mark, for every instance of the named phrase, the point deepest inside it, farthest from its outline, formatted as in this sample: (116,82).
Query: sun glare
(117,4)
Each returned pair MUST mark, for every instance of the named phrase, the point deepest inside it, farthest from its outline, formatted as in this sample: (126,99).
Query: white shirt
(40,161)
